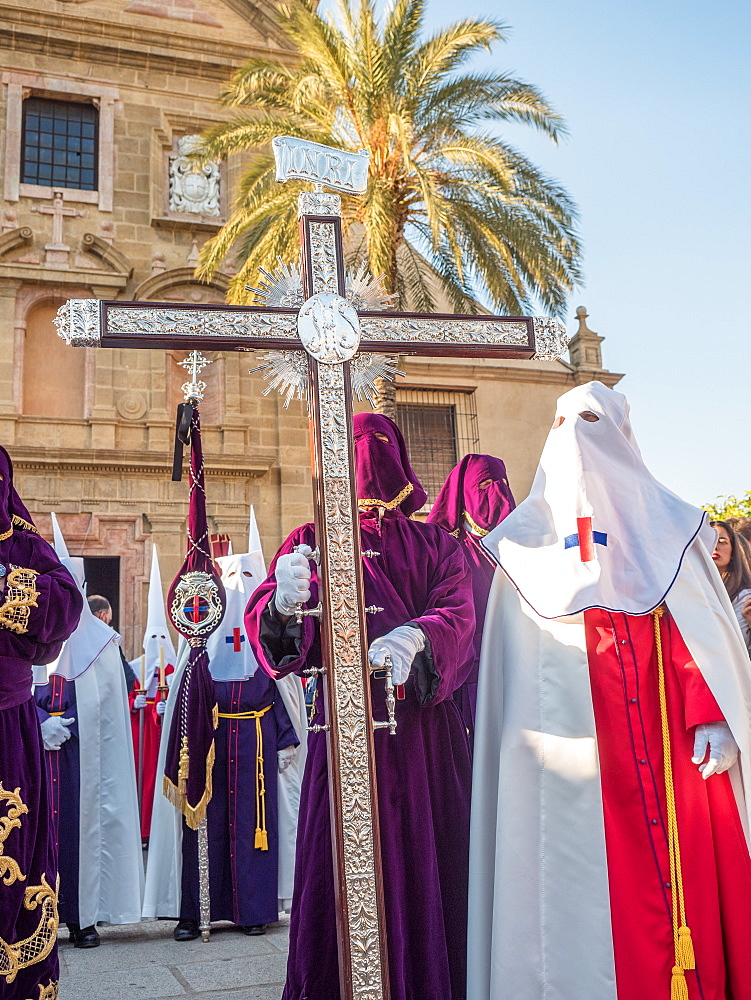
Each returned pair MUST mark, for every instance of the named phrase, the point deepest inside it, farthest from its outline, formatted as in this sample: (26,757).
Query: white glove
(402,644)
(161,707)
(139,702)
(285,757)
(55,732)
(292,580)
(723,750)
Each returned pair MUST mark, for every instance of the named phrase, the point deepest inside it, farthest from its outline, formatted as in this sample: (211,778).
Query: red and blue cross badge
(237,639)
(585,539)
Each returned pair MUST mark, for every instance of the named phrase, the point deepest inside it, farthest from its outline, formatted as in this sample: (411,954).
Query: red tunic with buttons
(716,865)
(152,734)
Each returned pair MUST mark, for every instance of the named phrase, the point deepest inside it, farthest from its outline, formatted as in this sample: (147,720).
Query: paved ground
(141,962)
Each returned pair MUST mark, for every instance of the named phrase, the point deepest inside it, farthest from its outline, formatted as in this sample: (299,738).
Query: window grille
(59,145)
(440,427)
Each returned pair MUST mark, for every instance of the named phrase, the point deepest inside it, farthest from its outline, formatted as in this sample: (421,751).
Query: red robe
(152,734)
(715,858)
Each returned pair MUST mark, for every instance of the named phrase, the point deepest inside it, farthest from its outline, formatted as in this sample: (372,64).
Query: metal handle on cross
(388,666)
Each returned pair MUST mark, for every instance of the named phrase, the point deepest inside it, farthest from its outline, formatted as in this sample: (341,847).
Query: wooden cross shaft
(352,779)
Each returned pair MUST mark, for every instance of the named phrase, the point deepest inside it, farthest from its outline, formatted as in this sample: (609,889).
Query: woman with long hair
(732,557)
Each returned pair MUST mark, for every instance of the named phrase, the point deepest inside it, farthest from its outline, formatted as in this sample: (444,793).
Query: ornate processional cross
(333,346)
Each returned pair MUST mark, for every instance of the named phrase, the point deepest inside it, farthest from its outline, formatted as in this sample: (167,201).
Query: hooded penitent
(39,609)
(156,635)
(101,862)
(413,574)
(598,850)
(474,499)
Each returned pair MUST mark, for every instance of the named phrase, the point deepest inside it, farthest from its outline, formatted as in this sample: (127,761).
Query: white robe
(111,879)
(539,905)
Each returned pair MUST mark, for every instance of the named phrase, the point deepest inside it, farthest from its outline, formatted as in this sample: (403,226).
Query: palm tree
(446,195)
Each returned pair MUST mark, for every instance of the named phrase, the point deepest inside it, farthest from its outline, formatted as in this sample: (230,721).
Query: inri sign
(302,160)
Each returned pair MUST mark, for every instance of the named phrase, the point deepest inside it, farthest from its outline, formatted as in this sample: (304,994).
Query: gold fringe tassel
(684,948)
(176,794)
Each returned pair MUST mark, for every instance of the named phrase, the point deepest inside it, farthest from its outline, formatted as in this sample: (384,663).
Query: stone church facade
(100,100)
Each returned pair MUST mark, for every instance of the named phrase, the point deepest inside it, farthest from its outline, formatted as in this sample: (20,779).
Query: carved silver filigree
(303,160)
(286,371)
(77,322)
(551,339)
(194,188)
(471,330)
(282,287)
(328,328)
(319,203)
(348,713)
(204,891)
(323,257)
(182,322)
(192,585)
(194,364)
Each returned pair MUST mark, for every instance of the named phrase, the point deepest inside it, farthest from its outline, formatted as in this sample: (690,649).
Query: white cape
(539,908)
(110,885)
(164,868)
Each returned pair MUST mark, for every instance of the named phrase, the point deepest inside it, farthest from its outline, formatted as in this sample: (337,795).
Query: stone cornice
(135,463)
(68,35)
(546,372)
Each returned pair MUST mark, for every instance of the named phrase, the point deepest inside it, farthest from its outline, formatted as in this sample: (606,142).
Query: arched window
(54,375)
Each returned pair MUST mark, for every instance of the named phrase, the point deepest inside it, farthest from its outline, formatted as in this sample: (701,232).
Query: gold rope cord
(6,534)
(388,504)
(482,532)
(10,870)
(20,597)
(262,837)
(684,949)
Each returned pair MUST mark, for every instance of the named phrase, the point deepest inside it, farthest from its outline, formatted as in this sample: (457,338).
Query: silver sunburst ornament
(287,371)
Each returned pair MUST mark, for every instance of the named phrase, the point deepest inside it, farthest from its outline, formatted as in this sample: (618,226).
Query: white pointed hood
(597,530)
(156,635)
(230,655)
(91,636)
(254,539)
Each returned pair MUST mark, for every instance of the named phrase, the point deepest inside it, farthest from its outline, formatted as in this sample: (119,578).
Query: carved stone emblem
(329,328)
(196,608)
(194,189)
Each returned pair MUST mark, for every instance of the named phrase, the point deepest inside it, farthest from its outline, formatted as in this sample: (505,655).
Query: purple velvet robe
(31,843)
(243,879)
(424,773)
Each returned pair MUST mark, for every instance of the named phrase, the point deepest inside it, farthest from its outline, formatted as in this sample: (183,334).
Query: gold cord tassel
(182,771)
(684,947)
(262,837)
(678,984)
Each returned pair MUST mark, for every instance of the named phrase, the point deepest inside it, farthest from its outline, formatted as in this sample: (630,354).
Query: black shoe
(255,930)
(73,929)
(186,930)
(86,937)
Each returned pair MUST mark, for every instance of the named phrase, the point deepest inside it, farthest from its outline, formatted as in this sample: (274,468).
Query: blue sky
(656,96)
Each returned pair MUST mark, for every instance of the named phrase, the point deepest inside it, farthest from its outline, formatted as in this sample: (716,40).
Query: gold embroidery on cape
(48,992)
(6,534)
(390,504)
(36,947)
(27,526)
(10,870)
(20,597)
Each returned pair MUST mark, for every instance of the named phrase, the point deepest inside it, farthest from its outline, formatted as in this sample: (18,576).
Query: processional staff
(323,343)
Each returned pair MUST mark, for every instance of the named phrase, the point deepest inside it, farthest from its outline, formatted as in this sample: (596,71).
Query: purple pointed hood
(462,499)
(385,477)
